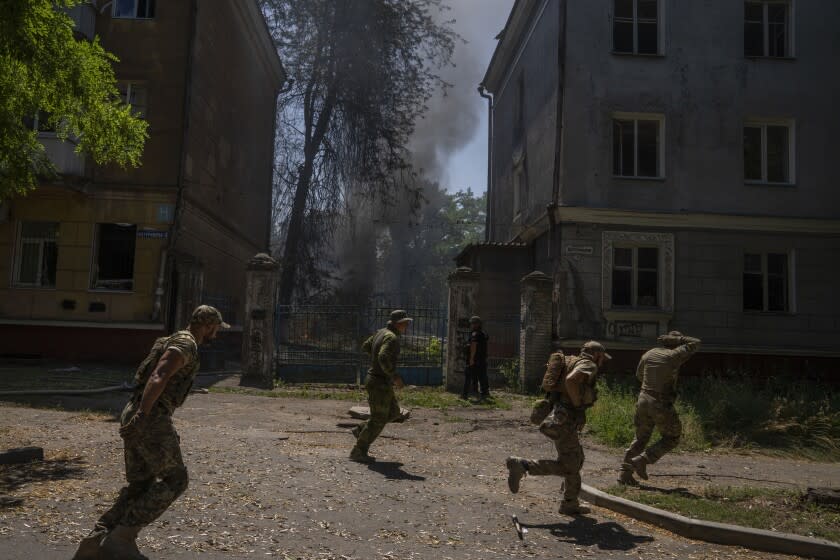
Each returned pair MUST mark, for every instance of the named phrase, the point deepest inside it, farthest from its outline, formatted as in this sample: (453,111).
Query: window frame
(130,86)
(790,282)
(135,16)
(18,255)
(660,28)
(520,185)
(664,243)
(763,123)
(634,276)
(636,117)
(94,260)
(790,39)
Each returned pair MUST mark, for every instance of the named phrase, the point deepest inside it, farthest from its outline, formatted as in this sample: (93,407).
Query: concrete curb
(721,533)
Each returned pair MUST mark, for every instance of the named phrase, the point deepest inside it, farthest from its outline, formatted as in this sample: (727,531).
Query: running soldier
(154,468)
(569,417)
(658,371)
(384,349)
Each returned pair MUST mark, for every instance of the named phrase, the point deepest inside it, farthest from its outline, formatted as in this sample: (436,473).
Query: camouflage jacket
(179,385)
(659,367)
(384,349)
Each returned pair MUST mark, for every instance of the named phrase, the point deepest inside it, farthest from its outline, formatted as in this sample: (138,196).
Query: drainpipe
(169,258)
(488,221)
(554,240)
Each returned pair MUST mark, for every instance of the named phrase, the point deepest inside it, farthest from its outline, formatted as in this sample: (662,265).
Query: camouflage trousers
(384,408)
(653,413)
(154,470)
(568,463)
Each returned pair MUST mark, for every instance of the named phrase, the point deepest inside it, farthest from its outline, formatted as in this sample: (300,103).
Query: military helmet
(595,346)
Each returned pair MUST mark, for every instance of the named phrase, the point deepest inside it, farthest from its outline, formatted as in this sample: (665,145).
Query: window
(638,146)
(766,282)
(113,266)
(134,9)
(767,29)
(37,254)
(768,152)
(520,185)
(635,277)
(135,95)
(636,27)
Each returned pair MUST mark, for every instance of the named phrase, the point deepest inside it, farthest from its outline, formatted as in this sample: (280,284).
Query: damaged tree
(362,71)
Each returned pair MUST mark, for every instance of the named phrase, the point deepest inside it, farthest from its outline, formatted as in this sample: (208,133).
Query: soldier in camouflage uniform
(384,349)
(658,370)
(154,468)
(569,411)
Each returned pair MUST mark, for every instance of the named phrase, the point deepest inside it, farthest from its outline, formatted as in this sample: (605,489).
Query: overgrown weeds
(780,414)
(762,508)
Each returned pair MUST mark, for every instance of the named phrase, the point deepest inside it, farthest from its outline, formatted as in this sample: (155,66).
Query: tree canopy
(68,83)
(362,73)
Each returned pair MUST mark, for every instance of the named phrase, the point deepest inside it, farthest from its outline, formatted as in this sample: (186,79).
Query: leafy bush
(510,371)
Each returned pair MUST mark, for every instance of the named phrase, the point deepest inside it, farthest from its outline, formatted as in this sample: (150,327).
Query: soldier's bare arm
(169,363)
(473,350)
(574,386)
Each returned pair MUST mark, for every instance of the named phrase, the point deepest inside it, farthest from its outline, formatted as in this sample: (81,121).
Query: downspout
(488,221)
(168,257)
(554,237)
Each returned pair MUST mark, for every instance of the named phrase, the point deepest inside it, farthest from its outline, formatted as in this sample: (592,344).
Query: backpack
(555,372)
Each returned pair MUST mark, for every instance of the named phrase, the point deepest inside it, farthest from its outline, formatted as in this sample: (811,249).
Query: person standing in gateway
(475,374)
(154,467)
(384,349)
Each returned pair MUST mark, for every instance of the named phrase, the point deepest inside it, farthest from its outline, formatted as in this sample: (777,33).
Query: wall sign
(579,250)
(152,234)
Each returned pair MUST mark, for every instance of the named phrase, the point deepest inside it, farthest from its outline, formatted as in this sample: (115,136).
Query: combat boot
(89,546)
(640,463)
(516,471)
(120,544)
(626,479)
(573,508)
(360,456)
(357,430)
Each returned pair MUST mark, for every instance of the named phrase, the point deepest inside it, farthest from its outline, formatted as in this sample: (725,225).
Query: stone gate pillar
(463,304)
(258,337)
(534,328)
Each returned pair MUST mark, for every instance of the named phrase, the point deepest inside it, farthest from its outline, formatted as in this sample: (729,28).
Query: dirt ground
(270,478)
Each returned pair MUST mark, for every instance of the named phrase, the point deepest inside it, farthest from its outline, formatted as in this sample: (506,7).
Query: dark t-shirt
(480,338)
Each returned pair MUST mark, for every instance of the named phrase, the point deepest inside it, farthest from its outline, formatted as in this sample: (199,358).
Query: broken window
(636,26)
(766,281)
(135,95)
(134,9)
(113,266)
(635,277)
(37,255)
(637,147)
(768,154)
(767,28)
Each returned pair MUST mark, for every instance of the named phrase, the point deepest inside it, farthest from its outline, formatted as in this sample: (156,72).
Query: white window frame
(16,281)
(790,46)
(135,16)
(130,88)
(763,123)
(660,35)
(636,117)
(765,281)
(664,242)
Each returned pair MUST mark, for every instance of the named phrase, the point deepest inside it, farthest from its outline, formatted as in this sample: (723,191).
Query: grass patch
(761,508)
(780,415)
(415,397)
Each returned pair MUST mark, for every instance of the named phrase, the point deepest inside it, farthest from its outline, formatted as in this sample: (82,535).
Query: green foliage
(780,414)
(69,82)
(510,371)
(762,508)
(434,347)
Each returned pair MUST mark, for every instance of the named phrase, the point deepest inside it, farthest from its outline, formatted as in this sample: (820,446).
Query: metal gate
(322,343)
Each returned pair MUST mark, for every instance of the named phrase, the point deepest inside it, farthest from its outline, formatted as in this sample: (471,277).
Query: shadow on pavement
(393,471)
(678,491)
(13,477)
(586,531)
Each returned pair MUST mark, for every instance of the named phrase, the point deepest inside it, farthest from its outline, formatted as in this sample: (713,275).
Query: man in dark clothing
(475,374)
